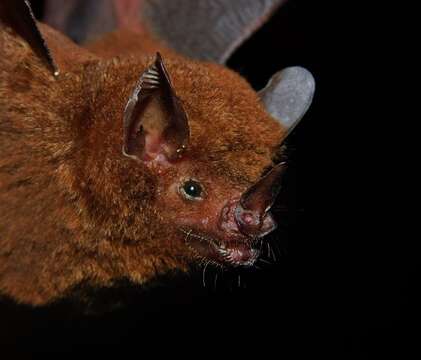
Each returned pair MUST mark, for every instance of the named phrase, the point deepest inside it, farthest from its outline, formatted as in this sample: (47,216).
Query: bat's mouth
(232,253)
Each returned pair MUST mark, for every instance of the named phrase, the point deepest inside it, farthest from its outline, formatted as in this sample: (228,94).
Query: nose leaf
(251,213)
(260,197)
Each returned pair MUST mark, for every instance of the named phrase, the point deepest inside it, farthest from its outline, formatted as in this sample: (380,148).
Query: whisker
(204,274)
(276,246)
(261,245)
(186,238)
(271,253)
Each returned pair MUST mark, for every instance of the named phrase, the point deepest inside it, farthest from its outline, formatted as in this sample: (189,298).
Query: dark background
(332,289)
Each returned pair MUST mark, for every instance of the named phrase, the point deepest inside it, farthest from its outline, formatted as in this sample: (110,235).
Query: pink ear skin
(156,129)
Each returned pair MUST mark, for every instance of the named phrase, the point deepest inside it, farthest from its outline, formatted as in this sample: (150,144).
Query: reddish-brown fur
(72,207)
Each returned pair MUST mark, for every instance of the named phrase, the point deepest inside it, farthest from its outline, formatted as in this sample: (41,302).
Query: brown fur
(72,208)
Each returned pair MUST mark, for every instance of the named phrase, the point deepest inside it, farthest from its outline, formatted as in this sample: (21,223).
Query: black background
(332,289)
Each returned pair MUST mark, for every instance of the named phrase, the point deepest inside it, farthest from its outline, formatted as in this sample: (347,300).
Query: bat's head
(208,141)
(191,160)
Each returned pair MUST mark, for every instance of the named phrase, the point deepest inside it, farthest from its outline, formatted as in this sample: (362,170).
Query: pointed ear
(155,123)
(17,16)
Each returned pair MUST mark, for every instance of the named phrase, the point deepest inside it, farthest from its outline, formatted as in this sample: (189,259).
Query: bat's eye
(191,190)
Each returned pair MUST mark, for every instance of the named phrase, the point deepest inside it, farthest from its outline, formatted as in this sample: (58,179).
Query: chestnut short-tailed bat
(138,153)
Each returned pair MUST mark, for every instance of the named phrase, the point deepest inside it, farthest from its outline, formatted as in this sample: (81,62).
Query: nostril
(227,220)
(249,222)
(247,219)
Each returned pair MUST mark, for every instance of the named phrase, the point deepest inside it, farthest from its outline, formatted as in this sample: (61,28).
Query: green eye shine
(192,190)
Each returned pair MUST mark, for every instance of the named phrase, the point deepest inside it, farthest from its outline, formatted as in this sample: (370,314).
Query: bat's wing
(81,20)
(207,29)
(201,29)
(288,95)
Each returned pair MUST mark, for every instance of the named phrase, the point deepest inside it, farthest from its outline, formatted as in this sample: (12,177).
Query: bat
(127,149)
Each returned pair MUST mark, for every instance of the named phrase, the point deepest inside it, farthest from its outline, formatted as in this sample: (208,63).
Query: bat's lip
(234,253)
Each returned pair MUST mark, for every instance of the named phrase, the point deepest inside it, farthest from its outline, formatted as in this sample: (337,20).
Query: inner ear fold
(155,123)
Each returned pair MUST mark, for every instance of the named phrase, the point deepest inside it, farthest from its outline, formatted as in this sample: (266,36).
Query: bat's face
(204,141)
(205,210)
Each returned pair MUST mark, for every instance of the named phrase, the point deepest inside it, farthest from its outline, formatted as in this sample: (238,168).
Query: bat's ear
(16,16)
(155,123)
(288,95)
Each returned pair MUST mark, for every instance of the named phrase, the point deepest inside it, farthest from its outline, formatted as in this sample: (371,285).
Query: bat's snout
(235,221)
